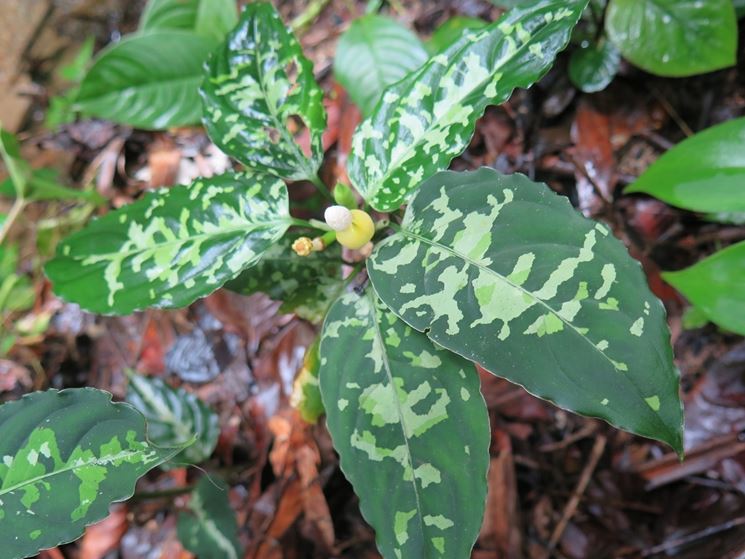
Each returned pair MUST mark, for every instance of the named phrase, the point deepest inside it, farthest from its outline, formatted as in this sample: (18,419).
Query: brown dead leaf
(104,537)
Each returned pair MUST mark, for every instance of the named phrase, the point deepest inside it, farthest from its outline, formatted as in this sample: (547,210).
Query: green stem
(15,211)
(305,223)
(308,15)
(322,188)
(163,493)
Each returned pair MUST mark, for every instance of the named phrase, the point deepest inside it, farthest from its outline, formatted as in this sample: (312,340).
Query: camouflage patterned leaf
(210,529)
(506,273)
(66,455)
(258,83)
(428,118)
(172,246)
(306,285)
(174,416)
(411,429)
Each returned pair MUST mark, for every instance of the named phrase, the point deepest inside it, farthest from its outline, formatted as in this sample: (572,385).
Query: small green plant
(479,268)
(705,173)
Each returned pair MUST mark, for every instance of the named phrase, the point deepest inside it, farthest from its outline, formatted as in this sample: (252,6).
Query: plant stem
(15,211)
(308,15)
(163,493)
(305,223)
(322,188)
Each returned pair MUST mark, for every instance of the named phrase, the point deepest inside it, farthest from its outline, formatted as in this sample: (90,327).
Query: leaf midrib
(108,255)
(69,467)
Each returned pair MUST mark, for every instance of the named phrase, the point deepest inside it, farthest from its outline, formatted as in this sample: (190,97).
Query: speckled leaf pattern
(258,83)
(174,416)
(428,118)
(411,429)
(715,286)
(506,273)
(149,81)
(64,457)
(306,285)
(172,246)
(209,528)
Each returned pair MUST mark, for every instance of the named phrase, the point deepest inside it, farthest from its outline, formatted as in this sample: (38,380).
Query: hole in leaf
(297,127)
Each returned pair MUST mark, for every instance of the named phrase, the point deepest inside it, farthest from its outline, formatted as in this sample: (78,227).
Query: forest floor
(559,485)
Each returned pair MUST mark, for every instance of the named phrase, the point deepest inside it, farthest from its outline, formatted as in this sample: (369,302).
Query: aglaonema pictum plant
(479,268)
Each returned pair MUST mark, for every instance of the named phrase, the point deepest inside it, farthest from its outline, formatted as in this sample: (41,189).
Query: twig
(701,534)
(584,480)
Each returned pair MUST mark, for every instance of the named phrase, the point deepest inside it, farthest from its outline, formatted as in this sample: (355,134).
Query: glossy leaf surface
(428,118)
(704,173)
(306,285)
(209,528)
(258,84)
(506,273)
(148,81)
(715,286)
(208,18)
(375,52)
(592,68)
(411,429)
(674,38)
(174,416)
(172,246)
(66,456)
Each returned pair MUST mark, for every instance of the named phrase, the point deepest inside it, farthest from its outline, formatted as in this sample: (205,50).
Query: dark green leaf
(506,273)
(593,67)
(172,246)
(258,84)
(66,455)
(149,81)
(411,429)
(174,416)
(674,38)
(209,529)
(451,31)
(427,119)
(306,285)
(375,52)
(209,18)
(739,8)
(714,285)
(17,167)
(704,173)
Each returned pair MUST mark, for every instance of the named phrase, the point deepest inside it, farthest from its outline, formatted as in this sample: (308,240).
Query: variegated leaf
(64,457)
(172,246)
(411,429)
(428,118)
(506,273)
(306,392)
(208,18)
(258,84)
(209,529)
(174,416)
(306,285)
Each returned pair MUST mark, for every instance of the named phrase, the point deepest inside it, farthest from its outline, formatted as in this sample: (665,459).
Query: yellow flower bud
(359,233)
(303,246)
